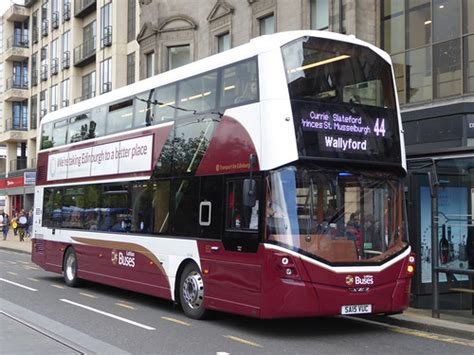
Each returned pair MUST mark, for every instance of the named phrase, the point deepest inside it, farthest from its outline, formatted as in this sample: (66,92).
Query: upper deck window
(331,71)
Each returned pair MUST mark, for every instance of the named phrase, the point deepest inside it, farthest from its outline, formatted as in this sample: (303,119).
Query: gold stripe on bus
(122,246)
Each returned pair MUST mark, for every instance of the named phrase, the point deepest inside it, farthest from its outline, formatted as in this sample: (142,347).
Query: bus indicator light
(410,268)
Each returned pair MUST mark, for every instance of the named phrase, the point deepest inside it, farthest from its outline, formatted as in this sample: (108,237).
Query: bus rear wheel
(70,268)
(191,292)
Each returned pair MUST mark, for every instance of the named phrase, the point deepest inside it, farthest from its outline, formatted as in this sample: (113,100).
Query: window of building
(20,75)
(150,64)
(43,109)
(20,115)
(65,93)
(130,68)
(88,86)
(398,62)
(419,78)
(446,20)
(178,56)
(34,69)
(88,39)
(468,50)
(418,23)
(106,75)
(44,63)
(447,61)
(267,25)
(131,20)
(44,19)
(394,26)
(54,98)
(54,57)
(223,42)
(106,28)
(20,34)
(34,112)
(66,50)
(54,14)
(468,16)
(319,14)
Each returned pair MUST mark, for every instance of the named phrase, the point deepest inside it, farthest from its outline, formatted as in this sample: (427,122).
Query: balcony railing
(55,19)
(43,113)
(44,28)
(18,164)
(44,72)
(65,103)
(84,97)
(66,62)
(85,53)
(17,82)
(15,125)
(18,41)
(106,87)
(107,36)
(54,66)
(34,77)
(84,7)
(66,11)
(34,35)
(54,107)
(34,121)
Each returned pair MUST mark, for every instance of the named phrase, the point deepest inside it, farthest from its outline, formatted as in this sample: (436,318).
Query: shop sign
(30,177)
(12,182)
(470,126)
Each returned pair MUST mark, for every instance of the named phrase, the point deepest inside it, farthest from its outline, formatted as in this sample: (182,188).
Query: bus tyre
(70,268)
(191,292)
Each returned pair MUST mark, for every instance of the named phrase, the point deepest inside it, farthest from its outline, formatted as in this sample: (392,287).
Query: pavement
(452,323)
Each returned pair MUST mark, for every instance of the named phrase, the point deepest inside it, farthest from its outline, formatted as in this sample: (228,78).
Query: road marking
(22,262)
(125,306)
(19,285)
(108,314)
(176,321)
(27,267)
(32,279)
(243,341)
(12,273)
(222,353)
(87,295)
(58,286)
(433,336)
(11,262)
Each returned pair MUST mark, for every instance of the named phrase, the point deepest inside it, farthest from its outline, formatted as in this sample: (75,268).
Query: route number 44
(379,127)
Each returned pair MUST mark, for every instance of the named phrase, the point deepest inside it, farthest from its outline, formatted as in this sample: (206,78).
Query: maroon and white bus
(265,181)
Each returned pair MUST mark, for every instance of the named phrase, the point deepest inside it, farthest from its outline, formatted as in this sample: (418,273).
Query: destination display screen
(347,132)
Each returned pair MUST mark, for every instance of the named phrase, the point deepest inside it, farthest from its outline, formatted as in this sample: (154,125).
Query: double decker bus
(265,181)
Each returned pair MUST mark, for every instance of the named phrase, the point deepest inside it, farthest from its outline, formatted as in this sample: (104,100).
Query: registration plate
(356,309)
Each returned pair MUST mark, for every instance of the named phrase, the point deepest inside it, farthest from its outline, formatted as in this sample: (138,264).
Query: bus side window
(120,116)
(165,104)
(60,133)
(239,84)
(47,136)
(239,216)
(197,94)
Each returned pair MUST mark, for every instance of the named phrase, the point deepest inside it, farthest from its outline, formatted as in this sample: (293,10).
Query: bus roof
(256,46)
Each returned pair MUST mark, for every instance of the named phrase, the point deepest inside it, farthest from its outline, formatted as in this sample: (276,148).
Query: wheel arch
(177,279)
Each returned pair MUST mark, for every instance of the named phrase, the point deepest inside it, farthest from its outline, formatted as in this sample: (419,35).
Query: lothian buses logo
(349,280)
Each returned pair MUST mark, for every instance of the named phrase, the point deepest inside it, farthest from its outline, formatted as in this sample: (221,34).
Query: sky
(5,4)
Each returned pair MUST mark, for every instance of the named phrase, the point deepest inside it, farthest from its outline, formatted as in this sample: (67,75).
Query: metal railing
(55,19)
(106,87)
(34,77)
(66,11)
(18,164)
(43,113)
(34,35)
(107,36)
(84,97)
(44,72)
(54,66)
(54,107)
(66,62)
(15,125)
(44,28)
(65,103)
(18,41)
(84,50)
(33,121)
(17,82)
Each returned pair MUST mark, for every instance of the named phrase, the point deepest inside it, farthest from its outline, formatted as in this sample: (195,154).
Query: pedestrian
(22,225)
(14,223)
(5,223)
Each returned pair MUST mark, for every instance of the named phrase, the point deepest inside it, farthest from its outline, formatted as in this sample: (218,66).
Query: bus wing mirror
(249,193)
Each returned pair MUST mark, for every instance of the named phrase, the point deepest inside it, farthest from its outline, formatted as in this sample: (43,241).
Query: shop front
(440,152)
(18,192)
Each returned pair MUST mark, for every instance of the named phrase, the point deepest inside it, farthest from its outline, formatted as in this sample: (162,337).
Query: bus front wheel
(191,292)
(70,268)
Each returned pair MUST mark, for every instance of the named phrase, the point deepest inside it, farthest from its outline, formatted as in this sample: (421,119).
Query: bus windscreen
(343,101)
